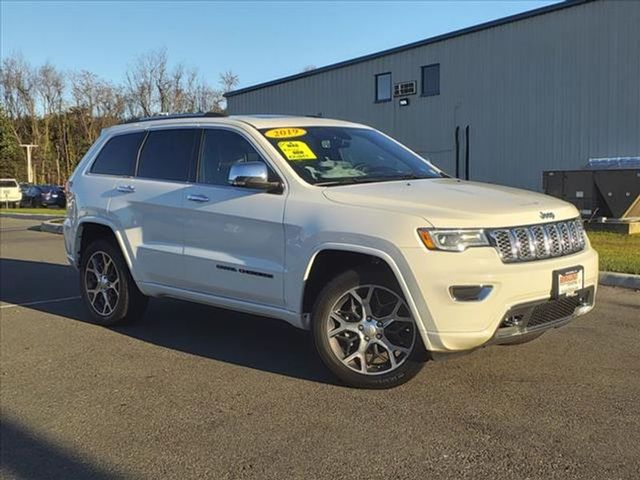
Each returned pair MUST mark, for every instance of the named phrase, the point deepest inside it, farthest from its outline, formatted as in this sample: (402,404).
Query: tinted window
(118,156)
(431,80)
(168,154)
(222,149)
(383,87)
(8,183)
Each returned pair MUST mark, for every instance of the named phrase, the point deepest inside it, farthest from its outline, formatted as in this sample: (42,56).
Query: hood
(452,203)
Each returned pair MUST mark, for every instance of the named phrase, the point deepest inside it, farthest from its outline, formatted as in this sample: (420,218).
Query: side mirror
(252,175)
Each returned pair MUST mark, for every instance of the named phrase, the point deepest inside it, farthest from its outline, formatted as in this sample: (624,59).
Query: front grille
(536,242)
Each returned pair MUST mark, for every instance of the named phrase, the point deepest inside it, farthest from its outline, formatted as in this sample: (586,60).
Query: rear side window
(118,156)
(169,154)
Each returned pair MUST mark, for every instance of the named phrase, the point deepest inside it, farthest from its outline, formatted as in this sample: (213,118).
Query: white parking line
(39,302)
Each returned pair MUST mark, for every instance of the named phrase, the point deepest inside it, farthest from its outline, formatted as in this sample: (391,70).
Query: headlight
(452,240)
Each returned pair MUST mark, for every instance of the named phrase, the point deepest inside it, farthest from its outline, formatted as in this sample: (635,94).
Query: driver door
(234,236)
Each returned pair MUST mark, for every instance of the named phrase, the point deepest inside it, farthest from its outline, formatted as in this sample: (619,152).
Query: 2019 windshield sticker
(285,132)
(296,150)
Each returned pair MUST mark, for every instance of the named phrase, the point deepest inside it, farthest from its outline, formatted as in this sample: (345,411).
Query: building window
(383,87)
(431,80)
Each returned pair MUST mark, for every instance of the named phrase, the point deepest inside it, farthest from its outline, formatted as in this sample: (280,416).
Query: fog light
(470,293)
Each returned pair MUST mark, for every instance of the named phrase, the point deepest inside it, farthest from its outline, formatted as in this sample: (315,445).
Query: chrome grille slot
(554,240)
(536,242)
(565,239)
(524,244)
(541,241)
(506,248)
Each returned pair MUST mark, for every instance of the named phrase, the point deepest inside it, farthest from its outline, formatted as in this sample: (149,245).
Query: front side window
(431,80)
(220,150)
(118,156)
(339,155)
(383,87)
(169,154)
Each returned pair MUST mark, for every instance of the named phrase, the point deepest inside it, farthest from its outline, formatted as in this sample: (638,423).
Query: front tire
(365,332)
(108,290)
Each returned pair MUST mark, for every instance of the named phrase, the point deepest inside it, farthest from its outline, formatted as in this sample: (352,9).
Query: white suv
(10,193)
(328,225)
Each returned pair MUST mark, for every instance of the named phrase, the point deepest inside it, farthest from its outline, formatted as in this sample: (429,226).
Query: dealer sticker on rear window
(285,132)
(296,150)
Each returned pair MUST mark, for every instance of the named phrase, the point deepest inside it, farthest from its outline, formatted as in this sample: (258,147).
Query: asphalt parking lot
(197,392)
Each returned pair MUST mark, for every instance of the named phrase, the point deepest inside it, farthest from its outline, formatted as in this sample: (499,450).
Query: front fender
(391,255)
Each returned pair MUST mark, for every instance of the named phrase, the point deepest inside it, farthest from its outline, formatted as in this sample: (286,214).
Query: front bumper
(530,319)
(448,325)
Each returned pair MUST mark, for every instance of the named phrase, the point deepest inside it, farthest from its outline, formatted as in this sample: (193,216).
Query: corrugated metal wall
(542,93)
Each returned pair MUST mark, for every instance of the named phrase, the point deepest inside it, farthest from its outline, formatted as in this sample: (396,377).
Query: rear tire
(108,289)
(364,330)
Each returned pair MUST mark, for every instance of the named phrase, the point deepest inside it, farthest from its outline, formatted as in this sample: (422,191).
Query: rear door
(234,237)
(147,207)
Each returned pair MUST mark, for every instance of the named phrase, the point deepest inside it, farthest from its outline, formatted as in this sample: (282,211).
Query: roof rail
(171,116)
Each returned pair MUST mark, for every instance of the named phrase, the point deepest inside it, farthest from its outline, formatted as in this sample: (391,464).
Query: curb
(31,216)
(51,227)
(623,280)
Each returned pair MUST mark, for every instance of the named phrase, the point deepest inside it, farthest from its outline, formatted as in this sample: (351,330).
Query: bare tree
(143,77)
(50,86)
(228,81)
(64,112)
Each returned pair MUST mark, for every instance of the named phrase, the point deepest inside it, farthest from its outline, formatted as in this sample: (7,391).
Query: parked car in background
(44,196)
(53,196)
(10,194)
(31,197)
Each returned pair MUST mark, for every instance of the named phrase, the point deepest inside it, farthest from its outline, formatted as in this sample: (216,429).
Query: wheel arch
(341,257)
(92,228)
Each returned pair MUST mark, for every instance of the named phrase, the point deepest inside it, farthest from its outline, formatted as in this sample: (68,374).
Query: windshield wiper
(343,181)
(387,178)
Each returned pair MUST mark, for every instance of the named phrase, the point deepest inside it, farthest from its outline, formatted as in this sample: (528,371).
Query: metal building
(546,89)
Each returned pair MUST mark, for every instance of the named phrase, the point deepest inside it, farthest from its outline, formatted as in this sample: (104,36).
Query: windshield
(338,155)
(8,183)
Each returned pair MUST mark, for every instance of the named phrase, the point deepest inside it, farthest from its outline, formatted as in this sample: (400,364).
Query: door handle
(126,188)
(198,198)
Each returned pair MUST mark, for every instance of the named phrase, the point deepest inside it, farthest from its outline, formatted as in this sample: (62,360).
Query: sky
(258,41)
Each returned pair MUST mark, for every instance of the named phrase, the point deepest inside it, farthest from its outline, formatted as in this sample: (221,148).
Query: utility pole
(29,146)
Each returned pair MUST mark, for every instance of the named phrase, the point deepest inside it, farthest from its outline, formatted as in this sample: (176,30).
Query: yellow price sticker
(296,150)
(285,132)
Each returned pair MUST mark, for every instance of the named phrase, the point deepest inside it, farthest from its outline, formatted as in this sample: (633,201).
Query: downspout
(466,153)
(457,152)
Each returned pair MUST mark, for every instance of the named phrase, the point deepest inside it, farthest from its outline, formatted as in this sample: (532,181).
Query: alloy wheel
(102,283)
(371,330)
